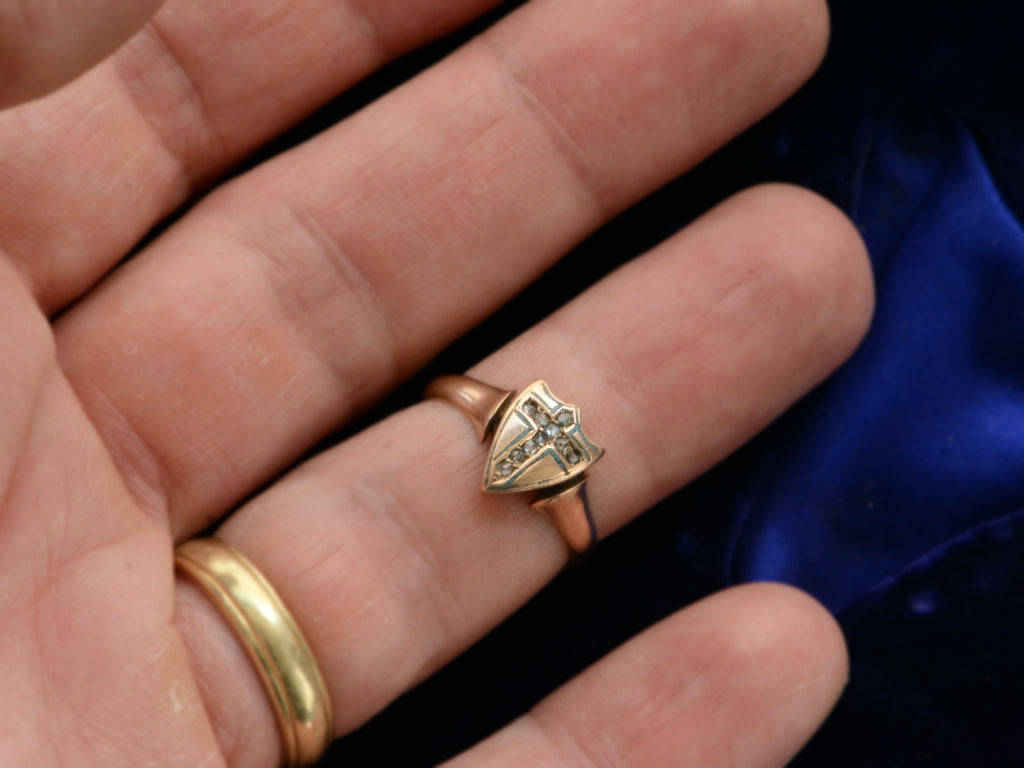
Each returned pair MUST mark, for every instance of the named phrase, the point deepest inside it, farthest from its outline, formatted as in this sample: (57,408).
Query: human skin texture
(148,398)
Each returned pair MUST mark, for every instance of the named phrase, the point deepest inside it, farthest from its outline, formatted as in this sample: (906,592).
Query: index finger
(88,172)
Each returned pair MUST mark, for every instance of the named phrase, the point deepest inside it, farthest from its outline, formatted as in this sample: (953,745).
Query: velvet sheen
(921,435)
(893,494)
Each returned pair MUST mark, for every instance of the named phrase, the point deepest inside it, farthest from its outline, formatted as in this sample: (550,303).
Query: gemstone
(541,419)
(530,447)
(530,407)
(541,438)
(517,456)
(573,456)
(561,443)
(504,468)
(552,430)
(564,419)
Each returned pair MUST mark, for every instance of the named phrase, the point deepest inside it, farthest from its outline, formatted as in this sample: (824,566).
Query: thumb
(47,43)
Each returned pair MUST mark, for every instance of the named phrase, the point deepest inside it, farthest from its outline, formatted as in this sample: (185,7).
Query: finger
(86,593)
(391,558)
(44,45)
(90,170)
(27,346)
(317,282)
(742,678)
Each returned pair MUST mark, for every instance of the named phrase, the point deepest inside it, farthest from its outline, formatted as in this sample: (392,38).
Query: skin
(151,396)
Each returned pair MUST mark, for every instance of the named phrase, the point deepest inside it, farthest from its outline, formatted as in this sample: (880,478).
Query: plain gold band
(273,641)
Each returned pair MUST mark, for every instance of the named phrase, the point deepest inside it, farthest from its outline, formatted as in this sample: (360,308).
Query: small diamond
(517,456)
(541,419)
(530,407)
(561,443)
(552,430)
(541,438)
(530,447)
(573,456)
(504,468)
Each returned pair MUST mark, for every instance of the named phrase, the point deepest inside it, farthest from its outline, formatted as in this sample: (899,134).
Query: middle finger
(309,287)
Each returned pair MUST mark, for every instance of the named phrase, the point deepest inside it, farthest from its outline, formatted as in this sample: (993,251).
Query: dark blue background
(895,493)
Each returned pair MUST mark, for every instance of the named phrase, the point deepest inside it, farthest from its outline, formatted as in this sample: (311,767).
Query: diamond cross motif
(538,444)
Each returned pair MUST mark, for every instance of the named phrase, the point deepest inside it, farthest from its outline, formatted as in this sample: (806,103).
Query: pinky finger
(741,679)
(46,44)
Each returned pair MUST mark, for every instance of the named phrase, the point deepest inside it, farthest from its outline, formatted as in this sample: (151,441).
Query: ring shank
(482,403)
(570,513)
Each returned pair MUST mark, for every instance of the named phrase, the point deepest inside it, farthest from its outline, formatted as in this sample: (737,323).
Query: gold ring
(273,641)
(538,445)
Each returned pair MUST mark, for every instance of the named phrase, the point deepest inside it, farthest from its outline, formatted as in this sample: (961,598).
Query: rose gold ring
(537,446)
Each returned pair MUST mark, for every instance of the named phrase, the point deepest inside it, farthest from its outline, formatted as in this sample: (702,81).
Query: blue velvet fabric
(920,438)
(895,492)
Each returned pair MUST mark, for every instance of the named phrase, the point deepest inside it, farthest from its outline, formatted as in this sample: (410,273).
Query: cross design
(539,443)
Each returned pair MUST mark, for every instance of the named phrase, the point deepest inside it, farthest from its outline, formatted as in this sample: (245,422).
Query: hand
(145,399)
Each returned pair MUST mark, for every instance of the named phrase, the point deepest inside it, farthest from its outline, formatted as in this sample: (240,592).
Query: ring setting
(537,445)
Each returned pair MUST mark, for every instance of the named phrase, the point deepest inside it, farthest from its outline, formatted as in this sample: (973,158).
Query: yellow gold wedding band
(273,641)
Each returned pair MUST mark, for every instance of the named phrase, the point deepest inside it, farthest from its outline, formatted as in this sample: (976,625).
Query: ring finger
(391,559)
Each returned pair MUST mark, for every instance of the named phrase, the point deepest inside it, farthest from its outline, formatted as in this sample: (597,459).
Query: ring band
(273,642)
(537,445)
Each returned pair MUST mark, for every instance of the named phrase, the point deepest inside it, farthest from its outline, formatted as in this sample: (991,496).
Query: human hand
(144,402)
